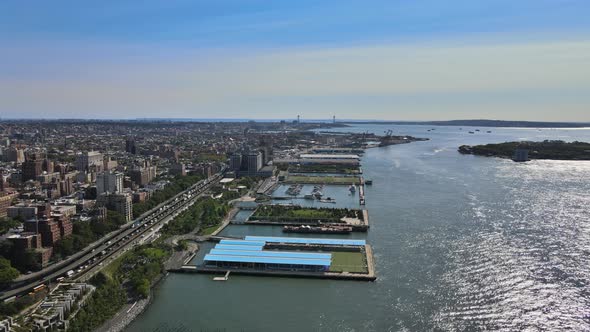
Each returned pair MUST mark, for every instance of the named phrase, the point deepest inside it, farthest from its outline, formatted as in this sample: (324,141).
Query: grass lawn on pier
(348,262)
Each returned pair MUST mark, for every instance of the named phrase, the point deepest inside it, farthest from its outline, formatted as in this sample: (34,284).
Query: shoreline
(129,312)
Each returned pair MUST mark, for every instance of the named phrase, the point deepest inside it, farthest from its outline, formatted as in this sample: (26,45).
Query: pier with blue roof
(290,256)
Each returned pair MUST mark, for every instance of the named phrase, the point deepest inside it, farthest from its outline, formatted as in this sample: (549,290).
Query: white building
(108,182)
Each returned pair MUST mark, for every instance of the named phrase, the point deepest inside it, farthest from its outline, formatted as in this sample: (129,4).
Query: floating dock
(362,192)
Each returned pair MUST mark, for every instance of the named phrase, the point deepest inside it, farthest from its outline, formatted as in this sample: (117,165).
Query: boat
(471,132)
(317,192)
(332,229)
(294,190)
(328,200)
(489,131)
(368,182)
(309,196)
(352,188)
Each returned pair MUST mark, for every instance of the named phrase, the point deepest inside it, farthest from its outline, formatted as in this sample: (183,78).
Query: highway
(118,241)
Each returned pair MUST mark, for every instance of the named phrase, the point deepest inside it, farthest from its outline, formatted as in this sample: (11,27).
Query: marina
(295,215)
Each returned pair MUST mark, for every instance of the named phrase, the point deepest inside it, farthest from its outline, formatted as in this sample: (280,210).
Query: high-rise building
(130,146)
(32,167)
(251,163)
(48,166)
(142,175)
(89,160)
(108,182)
(122,203)
(50,231)
(15,155)
(178,169)
(235,162)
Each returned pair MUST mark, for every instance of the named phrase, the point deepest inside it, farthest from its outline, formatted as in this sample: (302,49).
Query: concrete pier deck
(288,274)
(370,276)
(370,261)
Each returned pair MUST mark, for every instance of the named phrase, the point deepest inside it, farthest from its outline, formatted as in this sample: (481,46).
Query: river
(460,242)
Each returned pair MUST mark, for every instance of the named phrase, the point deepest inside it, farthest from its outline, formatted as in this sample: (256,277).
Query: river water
(460,242)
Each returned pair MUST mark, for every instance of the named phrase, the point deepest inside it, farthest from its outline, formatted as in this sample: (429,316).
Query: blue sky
(399,60)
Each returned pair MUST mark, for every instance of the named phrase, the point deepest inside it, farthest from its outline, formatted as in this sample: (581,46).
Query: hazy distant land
(484,123)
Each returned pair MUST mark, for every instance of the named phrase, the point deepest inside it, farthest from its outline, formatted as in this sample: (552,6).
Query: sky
(382,60)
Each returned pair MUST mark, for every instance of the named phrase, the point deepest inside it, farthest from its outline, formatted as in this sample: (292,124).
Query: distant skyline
(381,60)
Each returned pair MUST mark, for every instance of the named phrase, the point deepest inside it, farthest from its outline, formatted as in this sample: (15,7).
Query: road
(119,241)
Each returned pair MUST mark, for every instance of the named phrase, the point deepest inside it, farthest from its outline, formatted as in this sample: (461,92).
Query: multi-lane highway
(93,257)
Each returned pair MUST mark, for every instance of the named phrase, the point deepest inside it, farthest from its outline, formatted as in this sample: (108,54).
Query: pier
(362,192)
(370,276)
(289,257)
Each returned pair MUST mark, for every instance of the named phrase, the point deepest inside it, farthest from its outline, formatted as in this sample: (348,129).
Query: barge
(318,229)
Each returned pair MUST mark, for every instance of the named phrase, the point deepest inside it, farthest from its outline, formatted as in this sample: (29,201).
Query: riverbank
(129,312)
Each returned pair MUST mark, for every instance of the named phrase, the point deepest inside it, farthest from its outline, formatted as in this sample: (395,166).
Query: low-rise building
(55,311)
(25,211)
(5,202)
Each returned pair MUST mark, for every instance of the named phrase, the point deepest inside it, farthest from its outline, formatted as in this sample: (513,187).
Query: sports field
(348,262)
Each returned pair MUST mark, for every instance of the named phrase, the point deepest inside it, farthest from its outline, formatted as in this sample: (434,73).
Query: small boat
(476,129)
(352,188)
(471,132)
(309,196)
(327,200)
(489,131)
(368,182)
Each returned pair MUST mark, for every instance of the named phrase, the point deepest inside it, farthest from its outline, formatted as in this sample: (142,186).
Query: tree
(31,260)
(8,223)
(7,272)
(115,218)
(142,287)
